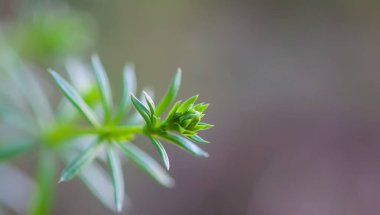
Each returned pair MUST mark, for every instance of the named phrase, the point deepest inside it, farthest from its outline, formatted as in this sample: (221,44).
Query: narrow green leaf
(150,102)
(185,145)
(136,118)
(201,107)
(83,159)
(43,197)
(197,139)
(203,126)
(103,85)
(117,177)
(147,163)
(80,76)
(36,97)
(129,78)
(13,118)
(98,182)
(188,116)
(75,99)
(10,150)
(140,107)
(129,86)
(186,123)
(171,93)
(96,179)
(172,111)
(161,151)
(187,104)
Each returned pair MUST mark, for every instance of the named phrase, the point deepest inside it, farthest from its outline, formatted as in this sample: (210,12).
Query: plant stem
(123,130)
(62,133)
(43,197)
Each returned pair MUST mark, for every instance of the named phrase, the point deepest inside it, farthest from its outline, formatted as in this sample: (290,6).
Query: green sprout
(87,128)
(180,128)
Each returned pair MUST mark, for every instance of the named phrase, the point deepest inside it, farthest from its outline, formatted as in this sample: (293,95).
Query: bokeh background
(294,88)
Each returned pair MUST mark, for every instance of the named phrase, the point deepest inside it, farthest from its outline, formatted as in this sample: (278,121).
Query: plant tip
(119,207)
(51,71)
(94,56)
(171,184)
(61,180)
(205,154)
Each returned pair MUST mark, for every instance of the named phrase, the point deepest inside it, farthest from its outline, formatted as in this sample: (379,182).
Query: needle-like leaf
(140,107)
(117,177)
(185,144)
(171,93)
(203,126)
(99,183)
(13,118)
(73,96)
(80,76)
(187,104)
(97,180)
(172,111)
(136,118)
(37,95)
(161,151)
(103,85)
(201,107)
(10,150)
(129,86)
(197,139)
(150,102)
(148,164)
(83,159)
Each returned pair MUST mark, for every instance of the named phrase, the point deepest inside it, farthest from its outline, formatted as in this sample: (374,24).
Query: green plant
(62,134)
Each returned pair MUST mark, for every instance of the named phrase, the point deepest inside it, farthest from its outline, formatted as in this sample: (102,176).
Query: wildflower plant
(113,135)
(88,128)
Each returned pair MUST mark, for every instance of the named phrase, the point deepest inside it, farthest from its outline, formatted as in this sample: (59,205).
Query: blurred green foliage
(49,35)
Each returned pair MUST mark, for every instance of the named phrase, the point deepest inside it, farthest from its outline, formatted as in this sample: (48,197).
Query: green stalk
(43,199)
(62,133)
(110,131)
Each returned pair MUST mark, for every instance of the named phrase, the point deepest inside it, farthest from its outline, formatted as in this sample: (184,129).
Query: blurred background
(293,86)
